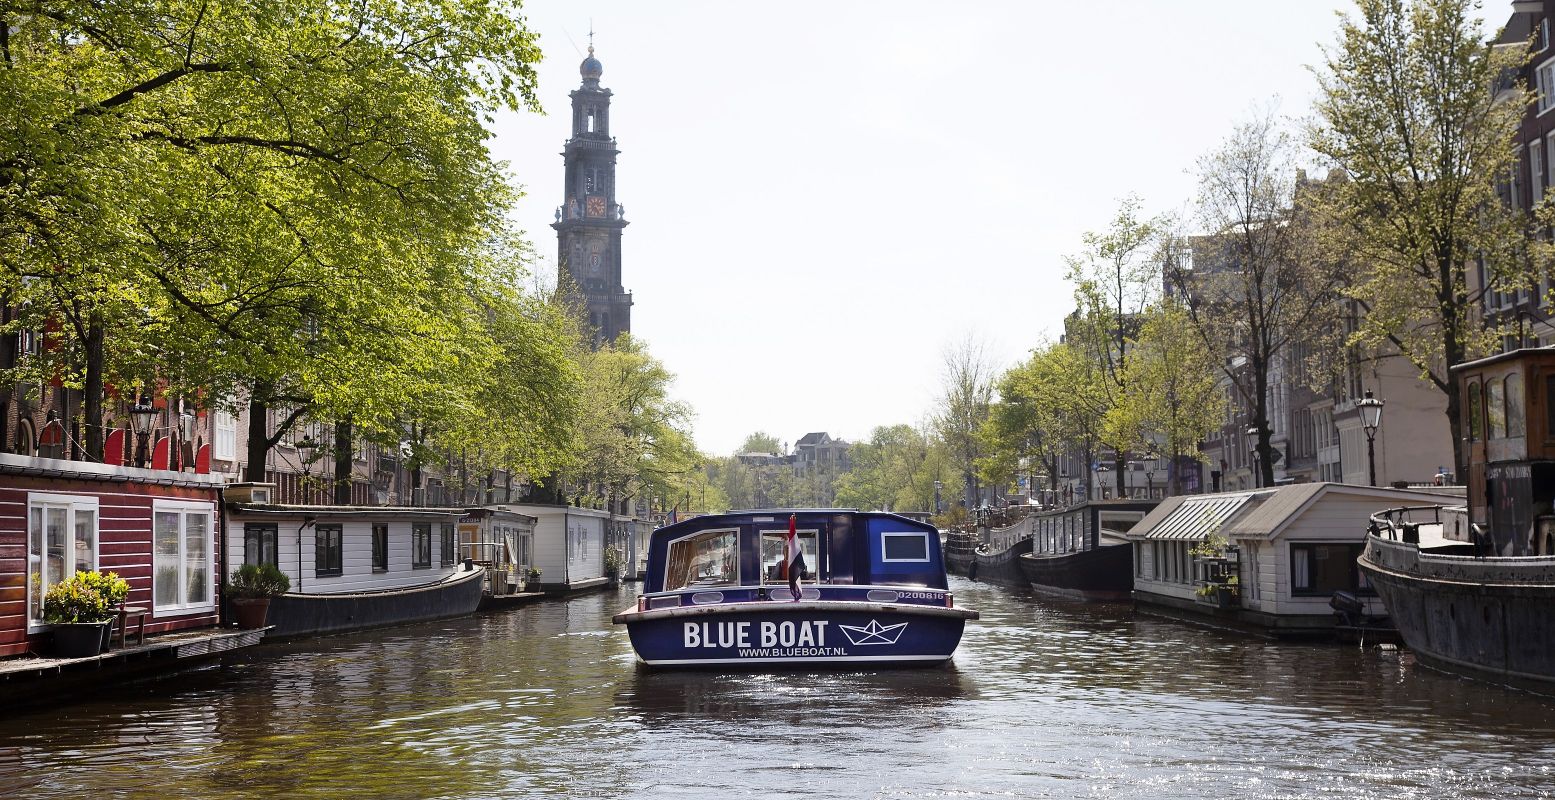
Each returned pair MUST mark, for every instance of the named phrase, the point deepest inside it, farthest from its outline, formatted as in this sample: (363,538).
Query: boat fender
(971,571)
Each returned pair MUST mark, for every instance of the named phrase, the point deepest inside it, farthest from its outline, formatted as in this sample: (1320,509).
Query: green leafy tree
(1413,111)
(1116,278)
(1259,282)
(298,194)
(1173,392)
(964,403)
(886,471)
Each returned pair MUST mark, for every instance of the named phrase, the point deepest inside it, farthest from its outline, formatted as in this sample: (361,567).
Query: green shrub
(257,580)
(84,597)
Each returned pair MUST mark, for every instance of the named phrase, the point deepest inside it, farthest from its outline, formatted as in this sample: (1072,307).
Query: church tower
(589,223)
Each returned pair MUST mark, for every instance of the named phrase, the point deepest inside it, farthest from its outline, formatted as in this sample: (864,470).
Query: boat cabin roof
(838,546)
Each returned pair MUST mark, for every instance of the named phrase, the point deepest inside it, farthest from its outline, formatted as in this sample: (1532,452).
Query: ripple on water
(1044,699)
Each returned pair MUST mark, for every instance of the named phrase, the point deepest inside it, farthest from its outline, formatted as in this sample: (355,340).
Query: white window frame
(1535,171)
(224,444)
(669,548)
(1544,84)
(71,503)
(905,534)
(183,508)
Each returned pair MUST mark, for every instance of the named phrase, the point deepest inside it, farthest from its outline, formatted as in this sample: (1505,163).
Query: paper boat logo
(874,633)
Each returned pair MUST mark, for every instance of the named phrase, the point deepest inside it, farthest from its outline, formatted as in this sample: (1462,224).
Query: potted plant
(612,564)
(79,610)
(534,577)
(250,590)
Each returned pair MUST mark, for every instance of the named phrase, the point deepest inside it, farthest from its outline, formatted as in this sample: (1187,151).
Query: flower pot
(79,639)
(250,611)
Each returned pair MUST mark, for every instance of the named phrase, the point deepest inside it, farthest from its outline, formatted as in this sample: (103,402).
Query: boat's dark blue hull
(776,633)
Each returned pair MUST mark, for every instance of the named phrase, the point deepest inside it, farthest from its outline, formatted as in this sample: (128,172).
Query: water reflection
(1043,700)
(794,697)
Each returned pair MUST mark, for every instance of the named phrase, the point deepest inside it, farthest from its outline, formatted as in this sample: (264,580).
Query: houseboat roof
(1259,513)
(1510,355)
(277,509)
(12,464)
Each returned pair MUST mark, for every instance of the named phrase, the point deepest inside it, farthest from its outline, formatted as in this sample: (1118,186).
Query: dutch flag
(793,559)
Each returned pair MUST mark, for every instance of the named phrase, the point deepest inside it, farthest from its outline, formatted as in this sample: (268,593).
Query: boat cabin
(1509,424)
(1086,526)
(738,555)
(1268,560)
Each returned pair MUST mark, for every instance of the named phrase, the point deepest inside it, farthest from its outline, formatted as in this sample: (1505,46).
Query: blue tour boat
(872,591)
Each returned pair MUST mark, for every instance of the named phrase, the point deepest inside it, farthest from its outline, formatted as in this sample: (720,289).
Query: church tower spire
(589,223)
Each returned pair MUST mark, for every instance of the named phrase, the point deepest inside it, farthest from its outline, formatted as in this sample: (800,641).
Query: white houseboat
(1265,560)
(501,541)
(352,567)
(569,547)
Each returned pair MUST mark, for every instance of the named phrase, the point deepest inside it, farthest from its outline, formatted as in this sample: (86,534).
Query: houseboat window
(709,558)
(772,545)
(1322,569)
(181,556)
(1514,405)
(61,539)
(421,545)
(380,547)
(904,546)
(328,560)
(1495,410)
(448,544)
(1474,412)
(259,544)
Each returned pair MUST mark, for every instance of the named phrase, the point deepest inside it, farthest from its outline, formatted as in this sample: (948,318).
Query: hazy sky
(824,197)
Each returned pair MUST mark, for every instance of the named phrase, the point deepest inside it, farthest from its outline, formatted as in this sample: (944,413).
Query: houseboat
(569,548)
(352,567)
(1471,586)
(156,528)
(996,558)
(1267,561)
(500,541)
(871,591)
(1082,552)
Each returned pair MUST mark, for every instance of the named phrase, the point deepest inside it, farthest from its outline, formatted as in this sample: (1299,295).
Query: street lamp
(1252,433)
(1371,419)
(143,417)
(305,450)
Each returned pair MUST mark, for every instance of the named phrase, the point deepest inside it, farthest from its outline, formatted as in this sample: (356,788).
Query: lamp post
(143,417)
(1371,419)
(305,450)
(938,485)
(1252,433)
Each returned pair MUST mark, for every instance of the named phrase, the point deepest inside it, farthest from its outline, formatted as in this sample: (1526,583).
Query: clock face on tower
(595,206)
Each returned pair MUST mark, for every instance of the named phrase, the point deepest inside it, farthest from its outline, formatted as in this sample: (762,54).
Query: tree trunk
(1120,463)
(258,434)
(92,387)
(344,461)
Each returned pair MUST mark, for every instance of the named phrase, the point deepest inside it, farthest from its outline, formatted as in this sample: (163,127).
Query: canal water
(1044,700)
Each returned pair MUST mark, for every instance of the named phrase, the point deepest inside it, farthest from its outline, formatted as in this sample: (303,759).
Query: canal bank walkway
(37,680)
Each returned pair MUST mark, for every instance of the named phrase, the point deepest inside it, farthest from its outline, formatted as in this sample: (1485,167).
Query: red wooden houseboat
(156,528)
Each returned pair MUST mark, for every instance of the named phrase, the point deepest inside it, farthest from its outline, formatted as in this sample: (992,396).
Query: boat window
(1495,410)
(1322,569)
(1474,415)
(772,544)
(1549,407)
(708,558)
(1514,405)
(904,546)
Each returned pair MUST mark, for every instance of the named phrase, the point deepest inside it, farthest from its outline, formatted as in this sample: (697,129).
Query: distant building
(1526,309)
(589,222)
